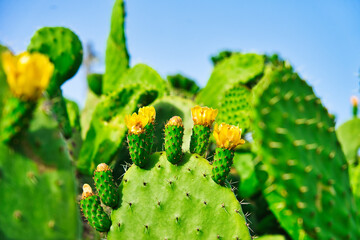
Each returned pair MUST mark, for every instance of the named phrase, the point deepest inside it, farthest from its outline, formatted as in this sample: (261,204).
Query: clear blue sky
(320,38)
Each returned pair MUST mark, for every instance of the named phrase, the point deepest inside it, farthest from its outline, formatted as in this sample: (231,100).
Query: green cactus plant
(160,200)
(95,81)
(307,182)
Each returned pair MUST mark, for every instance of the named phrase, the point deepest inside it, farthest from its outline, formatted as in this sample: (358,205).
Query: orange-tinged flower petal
(354,101)
(148,112)
(136,123)
(227,136)
(203,115)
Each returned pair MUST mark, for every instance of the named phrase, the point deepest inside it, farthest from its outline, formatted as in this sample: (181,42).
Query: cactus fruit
(105,185)
(227,139)
(140,135)
(174,133)
(308,182)
(27,75)
(354,103)
(203,118)
(92,210)
(117,56)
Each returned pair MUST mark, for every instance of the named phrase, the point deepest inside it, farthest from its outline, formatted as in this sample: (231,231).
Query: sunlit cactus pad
(166,201)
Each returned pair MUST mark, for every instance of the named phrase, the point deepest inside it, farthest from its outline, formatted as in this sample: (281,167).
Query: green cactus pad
(223,160)
(237,69)
(59,110)
(348,134)
(173,143)
(308,182)
(117,56)
(138,148)
(94,213)
(64,49)
(86,113)
(38,185)
(94,81)
(16,118)
(183,84)
(167,107)
(4,88)
(235,107)
(166,201)
(107,129)
(105,186)
(199,139)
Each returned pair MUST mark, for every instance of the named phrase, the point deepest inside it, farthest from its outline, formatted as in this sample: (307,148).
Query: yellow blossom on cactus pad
(203,115)
(175,121)
(87,191)
(354,101)
(148,112)
(227,136)
(27,74)
(136,123)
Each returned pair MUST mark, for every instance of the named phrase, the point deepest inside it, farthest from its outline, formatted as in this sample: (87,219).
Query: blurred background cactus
(296,175)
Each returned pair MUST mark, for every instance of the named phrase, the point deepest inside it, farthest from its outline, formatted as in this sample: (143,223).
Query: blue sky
(320,38)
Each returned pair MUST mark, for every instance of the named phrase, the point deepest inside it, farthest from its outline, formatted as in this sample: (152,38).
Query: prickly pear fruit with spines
(140,137)
(105,185)
(354,103)
(308,181)
(174,133)
(92,210)
(227,139)
(203,118)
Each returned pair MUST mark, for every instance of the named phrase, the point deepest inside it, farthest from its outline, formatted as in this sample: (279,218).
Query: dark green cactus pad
(166,201)
(94,213)
(86,113)
(107,129)
(94,81)
(38,185)
(199,139)
(4,88)
(167,107)
(237,69)
(235,107)
(138,148)
(106,188)
(59,110)
(173,143)
(64,49)
(117,56)
(308,182)
(223,160)
(15,118)
(183,85)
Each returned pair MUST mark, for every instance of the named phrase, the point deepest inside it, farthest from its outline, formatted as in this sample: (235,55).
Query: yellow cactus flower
(175,121)
(203,115)
(28,74)
(148,112)
(136,123)
(354,101)
(87,191)
(227,136)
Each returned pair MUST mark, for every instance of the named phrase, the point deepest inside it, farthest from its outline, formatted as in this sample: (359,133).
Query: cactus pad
(64,49)
(308,182)
(94,81)
(166,201)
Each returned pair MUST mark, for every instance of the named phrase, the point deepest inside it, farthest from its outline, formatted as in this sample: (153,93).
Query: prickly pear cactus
(308,181)
(167,198)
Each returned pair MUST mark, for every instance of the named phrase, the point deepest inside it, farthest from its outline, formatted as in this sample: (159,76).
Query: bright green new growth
(235,107)
(223,161)
(308,182)
(174,133)
(16,118)
(138,148)
(94,81)
(166,201)
(94,213)
(105,185)
(199,139)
